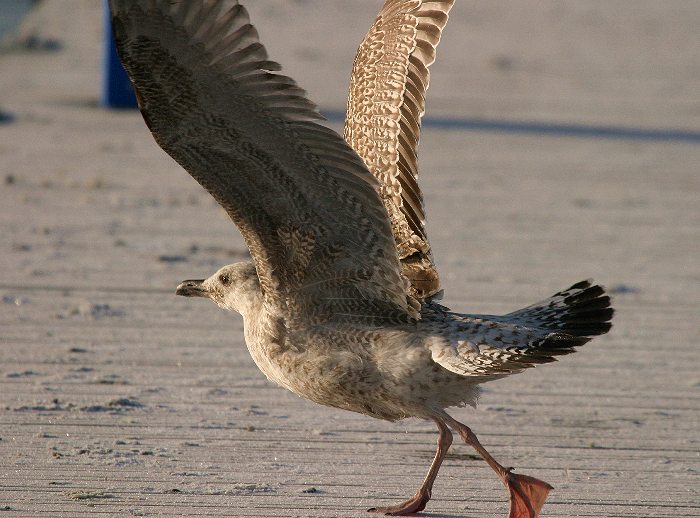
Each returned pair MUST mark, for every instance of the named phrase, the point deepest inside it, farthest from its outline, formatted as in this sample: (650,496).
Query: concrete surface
(118,398)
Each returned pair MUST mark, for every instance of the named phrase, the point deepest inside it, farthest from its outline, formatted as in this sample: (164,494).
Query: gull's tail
(582,311)
(492,346)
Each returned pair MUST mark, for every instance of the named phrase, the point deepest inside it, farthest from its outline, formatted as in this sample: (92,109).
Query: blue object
(117,91)
(6,118)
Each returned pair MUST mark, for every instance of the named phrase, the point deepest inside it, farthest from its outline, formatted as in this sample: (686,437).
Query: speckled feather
(304,201)
(385,104)
(485,347)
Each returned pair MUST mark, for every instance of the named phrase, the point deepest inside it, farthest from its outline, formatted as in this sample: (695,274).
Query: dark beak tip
(191,288)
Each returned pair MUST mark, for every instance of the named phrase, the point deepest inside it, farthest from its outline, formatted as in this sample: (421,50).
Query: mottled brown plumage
(337,301)
(386,102)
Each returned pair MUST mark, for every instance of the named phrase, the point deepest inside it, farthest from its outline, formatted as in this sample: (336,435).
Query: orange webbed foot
(527,495)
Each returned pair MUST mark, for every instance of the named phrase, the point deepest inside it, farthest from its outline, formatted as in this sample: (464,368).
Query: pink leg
(418,501)
(527,494)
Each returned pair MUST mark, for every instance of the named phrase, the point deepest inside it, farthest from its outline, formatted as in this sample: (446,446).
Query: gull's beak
(192,288)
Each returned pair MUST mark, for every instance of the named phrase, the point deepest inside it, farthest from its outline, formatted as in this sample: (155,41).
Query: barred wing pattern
(385,105)
(305,203)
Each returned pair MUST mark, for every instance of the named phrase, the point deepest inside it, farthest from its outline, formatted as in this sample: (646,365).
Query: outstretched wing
(385,105)
(489,346)
(305,203)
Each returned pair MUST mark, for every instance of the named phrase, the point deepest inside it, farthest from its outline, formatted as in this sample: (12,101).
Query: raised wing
(385,105)
(305,203)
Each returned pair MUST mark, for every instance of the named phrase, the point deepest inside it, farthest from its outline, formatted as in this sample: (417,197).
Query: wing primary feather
(385,105)
(209,94)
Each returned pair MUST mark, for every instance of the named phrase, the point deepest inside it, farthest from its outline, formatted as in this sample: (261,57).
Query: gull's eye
(224,279)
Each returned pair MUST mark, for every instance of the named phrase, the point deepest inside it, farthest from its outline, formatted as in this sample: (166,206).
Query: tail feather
(583,311)
(494,346)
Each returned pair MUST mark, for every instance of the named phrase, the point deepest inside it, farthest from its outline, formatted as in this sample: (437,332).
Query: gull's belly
(383,376)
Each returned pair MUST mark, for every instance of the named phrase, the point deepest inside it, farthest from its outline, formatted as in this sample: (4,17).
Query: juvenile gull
(338,303)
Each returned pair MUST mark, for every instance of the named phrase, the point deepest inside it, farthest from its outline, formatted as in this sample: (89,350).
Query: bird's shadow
(440,515)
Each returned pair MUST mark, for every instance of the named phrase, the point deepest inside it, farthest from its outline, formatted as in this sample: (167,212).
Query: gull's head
(234,287)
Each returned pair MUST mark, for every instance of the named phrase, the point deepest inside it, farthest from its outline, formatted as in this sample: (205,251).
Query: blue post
(117,91)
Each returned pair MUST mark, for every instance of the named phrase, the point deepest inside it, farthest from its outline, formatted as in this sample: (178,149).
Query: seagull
(340,301)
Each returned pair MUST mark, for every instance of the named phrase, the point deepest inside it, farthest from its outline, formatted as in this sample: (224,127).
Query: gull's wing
(385,105)
(305,203)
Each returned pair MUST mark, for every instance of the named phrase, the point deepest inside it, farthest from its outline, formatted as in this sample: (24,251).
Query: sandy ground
(118,398)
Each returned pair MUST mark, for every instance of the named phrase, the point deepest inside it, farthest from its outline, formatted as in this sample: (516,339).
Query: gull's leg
(527,494)
(418,501)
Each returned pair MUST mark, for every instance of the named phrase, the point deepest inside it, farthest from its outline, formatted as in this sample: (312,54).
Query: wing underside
(386,102)
(304,201)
